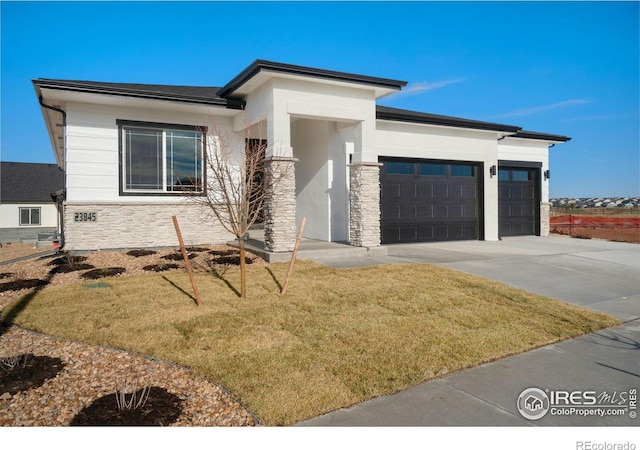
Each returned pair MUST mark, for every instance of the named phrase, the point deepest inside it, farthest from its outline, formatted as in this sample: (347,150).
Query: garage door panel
(454,211)
(470,211)
(517,201)
(425,212)
(440,191)
(425,192)
(390,190)
(408,212)
(408,190)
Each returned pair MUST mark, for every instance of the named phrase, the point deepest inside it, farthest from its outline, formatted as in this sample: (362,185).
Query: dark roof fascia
(261,65)
(523,134)
(403,115)
(149,91)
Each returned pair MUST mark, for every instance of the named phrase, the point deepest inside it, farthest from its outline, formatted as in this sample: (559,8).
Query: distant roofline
(404,115)
(260,65)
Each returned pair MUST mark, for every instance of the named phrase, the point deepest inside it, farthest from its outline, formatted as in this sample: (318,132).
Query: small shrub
(30,372)
(136,398)
(12,361)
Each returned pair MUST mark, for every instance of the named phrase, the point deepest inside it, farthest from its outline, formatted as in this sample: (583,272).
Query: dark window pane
(461,171)
(399,168)
(24,216)
(439,170)
(184,160)
(503,174)
(35,216)
(143,159)
(521,175)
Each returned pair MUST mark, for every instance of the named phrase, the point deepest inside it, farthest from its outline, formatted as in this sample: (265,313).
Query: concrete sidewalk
(599,275)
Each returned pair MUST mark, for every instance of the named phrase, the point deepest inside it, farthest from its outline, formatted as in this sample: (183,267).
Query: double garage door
(425,200)
(430,200)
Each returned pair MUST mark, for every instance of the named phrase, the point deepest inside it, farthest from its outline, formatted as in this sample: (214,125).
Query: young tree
(236,187)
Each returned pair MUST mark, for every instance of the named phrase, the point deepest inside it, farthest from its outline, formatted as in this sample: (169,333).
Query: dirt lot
(10,251)
(611,228)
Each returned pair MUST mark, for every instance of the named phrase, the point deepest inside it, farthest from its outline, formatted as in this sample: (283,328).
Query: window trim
(30,209)
(122,123)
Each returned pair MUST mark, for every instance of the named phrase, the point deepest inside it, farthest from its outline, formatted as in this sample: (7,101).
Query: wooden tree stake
(186,260)
(293,257)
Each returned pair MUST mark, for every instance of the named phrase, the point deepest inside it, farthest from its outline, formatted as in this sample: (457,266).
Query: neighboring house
(363,173)
(27,207)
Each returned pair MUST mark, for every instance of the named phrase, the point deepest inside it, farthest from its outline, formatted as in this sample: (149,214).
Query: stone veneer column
(280,205)
(545,212)
(364,201)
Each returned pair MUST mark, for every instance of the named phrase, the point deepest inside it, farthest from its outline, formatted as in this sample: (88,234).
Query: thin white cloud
(419,88)
(599,117)
(544,108)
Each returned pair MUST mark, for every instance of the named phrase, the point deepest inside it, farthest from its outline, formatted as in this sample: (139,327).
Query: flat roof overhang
(260,71)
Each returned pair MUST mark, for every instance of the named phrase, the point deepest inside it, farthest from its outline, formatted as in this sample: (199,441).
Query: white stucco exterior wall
(405,140)
(530,150)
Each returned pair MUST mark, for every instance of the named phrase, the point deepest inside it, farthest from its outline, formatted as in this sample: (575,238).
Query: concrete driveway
(599,275)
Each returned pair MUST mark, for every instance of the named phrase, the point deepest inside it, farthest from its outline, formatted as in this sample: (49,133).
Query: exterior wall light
(547,175)
(492,171)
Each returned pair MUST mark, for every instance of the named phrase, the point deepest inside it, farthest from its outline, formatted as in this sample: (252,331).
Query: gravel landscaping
(75,383)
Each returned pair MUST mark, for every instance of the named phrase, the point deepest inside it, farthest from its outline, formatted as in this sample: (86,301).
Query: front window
(29,216)
(161,159)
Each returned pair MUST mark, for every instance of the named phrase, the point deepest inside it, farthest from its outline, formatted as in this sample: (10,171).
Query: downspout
(64,168)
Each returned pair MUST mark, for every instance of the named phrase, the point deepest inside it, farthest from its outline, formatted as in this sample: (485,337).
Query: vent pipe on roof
(64,167)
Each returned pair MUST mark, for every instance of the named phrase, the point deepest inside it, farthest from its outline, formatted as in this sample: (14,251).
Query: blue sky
(569,68)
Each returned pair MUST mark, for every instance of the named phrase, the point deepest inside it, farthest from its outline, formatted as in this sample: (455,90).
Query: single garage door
(518,201)
(429,200)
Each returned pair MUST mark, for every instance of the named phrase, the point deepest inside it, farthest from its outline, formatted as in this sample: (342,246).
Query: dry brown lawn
(337,338)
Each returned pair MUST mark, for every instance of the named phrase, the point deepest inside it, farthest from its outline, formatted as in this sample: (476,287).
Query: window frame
(30,209)
(164,127)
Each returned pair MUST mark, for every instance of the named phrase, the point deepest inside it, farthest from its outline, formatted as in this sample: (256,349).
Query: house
(27,207)
(533,403)
(362,173)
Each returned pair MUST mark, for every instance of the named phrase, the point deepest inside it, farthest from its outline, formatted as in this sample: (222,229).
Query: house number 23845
(85,217)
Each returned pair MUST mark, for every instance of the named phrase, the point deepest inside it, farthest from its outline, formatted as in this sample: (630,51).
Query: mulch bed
(161,408)
(103,273)
(139,252)
(31,371)
(230,260)
(17,285)
(178,256)
(160,267)
(69,260)
(70,268)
